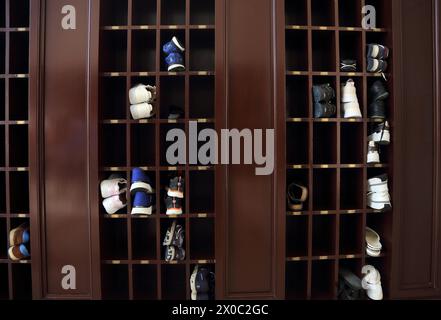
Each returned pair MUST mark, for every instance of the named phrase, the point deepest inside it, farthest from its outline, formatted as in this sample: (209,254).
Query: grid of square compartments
(15,277)
(131,39)
(329,156)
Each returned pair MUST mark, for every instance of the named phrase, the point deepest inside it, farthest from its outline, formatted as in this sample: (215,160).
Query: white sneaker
(379,201)
(142,93)
(373,154)
(378,184)
(141,111)
(114,204)
(113,187)
(381,134)
(350,105)
(372,283)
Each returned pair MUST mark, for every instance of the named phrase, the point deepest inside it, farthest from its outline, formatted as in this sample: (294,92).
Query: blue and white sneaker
(173,46)
(175,62)
(140,182)
(142,204)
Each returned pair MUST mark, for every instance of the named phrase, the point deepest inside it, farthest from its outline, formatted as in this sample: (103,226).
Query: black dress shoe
(377,110)
(377,91)
(323,93)
(324,110)
(349,286)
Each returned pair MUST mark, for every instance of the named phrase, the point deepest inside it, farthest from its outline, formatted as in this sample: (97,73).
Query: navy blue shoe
(175,62)
(173,46)
(140,182)
(142,204)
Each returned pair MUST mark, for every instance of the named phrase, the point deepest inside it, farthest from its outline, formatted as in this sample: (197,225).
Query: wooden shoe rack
(329,156)
(132,33)
(245,68)
(15,277)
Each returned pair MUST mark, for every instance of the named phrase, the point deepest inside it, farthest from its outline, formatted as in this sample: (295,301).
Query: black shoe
(176,188)
(323,93)
(378,91)
(174,236)
(200,280)
(175,113)
(377,51)
(376,66)
(348,65)
(377,110)
(349,286)
(324,110)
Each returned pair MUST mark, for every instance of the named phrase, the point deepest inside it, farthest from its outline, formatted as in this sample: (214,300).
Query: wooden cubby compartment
(296,280)
(202,239)
(114,244)
(143,145)
(351,47)
(114,13)
(202,12)
(174,282)
(144,12)
(202,97)
(383,12)
(113,145)
(349,12)
(297,236)
(18,99)
(3,239)
(2,52)
(323,51)
(114,43)
(4,281)
(322,12)
(202,199)
(202,50)
(175,84)
(19,13)
(353,265)
(143,50)
(295,147)
(2,194)
(144,239)
(297,102)
(323,235)
(165,128)
(351,187)
(351,147)
(325,189)
(301,177)
(112,98)
(325,142)
(351,234)
(114,279)
(145,282)
(19,45)
(2,146)
(19,192)
(323,280)
(18,146)
(22,281)
(296,50)
(296,13)
(173,12)
(2,14)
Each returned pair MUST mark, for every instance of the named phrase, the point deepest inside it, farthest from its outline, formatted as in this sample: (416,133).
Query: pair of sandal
(297,196)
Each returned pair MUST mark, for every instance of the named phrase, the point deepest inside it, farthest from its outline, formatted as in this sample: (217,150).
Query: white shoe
(379,201)
(113,187)
(381,134)
(141,111)
(373,154)
(114,204)
(373,243)
(350,105)
(372,283)
(378,184)
(142,93)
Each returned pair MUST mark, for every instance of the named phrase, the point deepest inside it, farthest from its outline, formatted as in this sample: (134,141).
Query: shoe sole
(176,67)
(142,211)
(174,212)
(175,194)
(141,186)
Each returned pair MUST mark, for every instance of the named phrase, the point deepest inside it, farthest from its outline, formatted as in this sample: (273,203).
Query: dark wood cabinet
(250,64)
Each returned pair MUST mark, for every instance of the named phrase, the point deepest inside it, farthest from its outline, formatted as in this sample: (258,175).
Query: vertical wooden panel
(66,224)
(417,257)
(249,209)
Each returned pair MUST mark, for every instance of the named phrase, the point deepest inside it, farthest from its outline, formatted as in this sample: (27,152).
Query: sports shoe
(377,110)
(173,253)
(378,184)
(200,296)
(379,201)
(174,236)
(373,243)
(142,204)
(175,62)
(348,65)
(377,51)
(201,283)
(377,91)
(173,46)
(376,66)
(350,105)
(19,235)
(174,206)
(297,196)
(323,93)
(141,111)
(140,182)
(324,110)
(18,252)
(373,153)
(113,204)
(176,188)
(372,283)
(380,133)
(142,93)
(113,186)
